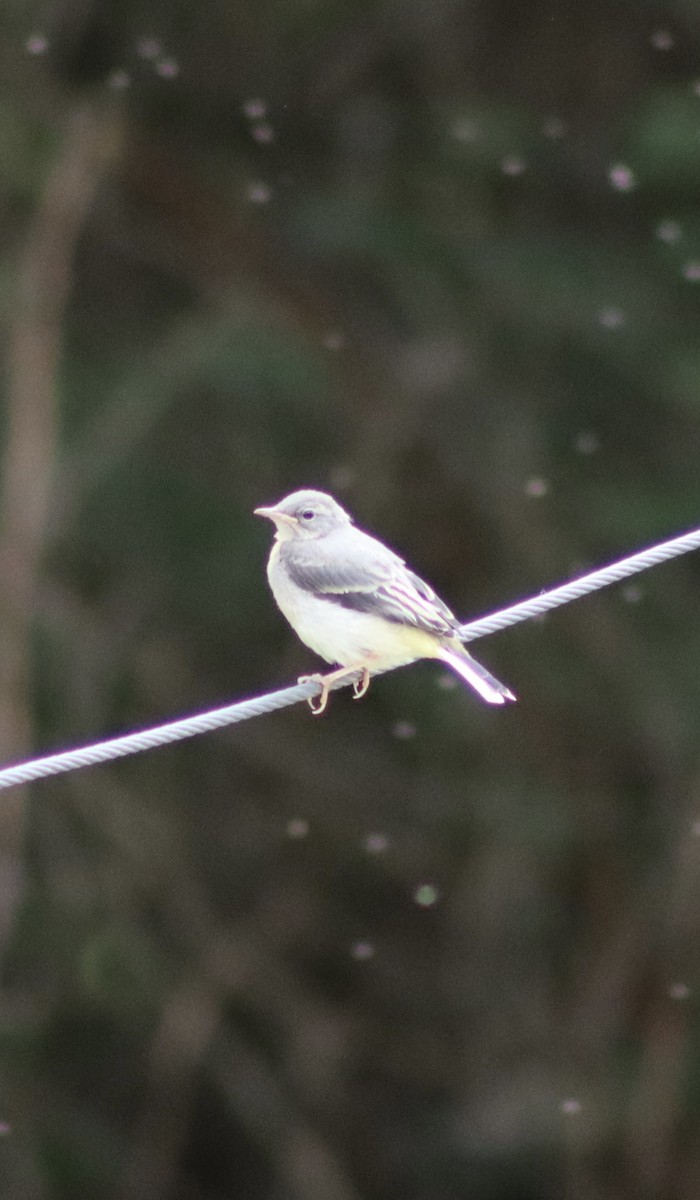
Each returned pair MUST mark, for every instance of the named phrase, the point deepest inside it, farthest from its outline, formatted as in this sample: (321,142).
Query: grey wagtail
(356,604)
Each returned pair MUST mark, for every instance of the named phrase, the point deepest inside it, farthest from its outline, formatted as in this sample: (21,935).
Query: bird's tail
(472,672)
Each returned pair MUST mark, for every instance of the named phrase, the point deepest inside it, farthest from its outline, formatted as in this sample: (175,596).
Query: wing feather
(353,569)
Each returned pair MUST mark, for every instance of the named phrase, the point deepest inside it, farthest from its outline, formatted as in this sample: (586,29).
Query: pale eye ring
(308,515)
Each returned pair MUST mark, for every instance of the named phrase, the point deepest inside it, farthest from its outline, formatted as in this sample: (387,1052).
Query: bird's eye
(308,515)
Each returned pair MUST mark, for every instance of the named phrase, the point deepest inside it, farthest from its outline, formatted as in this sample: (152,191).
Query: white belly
(346,637)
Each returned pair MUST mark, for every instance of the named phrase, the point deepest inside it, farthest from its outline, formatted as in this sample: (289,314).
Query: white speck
(586,442)
(554,128)
(536,488)
(661,39)
(259,193)
(5,1128)
(695,87)
(695,829)
(254,109)
(447,682)
(679,991)
(361,951)
(118,80)
(148,48)
(691,271)
(611,318)
(570,1107)
(465,129)
(621,177)
(376,843)
(426,895)
(334,341)
(342,478)
(297,828)
(512,165)
(403,730)
(36,44)
(669,231)
(633,593)
(167,68)
(263,133)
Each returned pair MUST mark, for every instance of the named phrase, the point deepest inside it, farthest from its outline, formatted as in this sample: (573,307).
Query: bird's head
(304,515)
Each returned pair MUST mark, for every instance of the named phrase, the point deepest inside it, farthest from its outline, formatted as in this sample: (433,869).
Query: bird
(356,604)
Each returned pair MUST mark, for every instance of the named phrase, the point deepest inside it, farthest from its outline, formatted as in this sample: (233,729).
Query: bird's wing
(355,570)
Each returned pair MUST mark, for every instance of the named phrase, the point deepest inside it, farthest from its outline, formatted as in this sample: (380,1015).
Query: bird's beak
(274,514)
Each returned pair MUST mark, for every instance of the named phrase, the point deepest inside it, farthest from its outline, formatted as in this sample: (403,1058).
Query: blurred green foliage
(443,261)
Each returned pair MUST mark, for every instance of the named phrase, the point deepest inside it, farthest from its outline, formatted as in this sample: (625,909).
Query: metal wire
(243,710)
(600,578)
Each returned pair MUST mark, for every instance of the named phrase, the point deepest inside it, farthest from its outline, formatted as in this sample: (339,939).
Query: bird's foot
(360,686)
(317,704)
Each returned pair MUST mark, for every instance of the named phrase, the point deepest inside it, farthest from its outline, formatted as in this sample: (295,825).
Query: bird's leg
(317,704)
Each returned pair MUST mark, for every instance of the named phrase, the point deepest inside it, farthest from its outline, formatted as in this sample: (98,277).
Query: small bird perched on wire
(354,602)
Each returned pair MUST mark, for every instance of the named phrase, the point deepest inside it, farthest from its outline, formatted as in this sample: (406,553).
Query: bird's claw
(318,703)
(360,686)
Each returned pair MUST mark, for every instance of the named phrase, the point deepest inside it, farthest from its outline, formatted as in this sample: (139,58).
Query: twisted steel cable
(244,710)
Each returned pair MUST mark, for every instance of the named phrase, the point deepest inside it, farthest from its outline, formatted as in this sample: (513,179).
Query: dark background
(443,260)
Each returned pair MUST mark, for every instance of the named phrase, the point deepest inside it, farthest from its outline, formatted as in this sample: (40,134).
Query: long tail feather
(472,672)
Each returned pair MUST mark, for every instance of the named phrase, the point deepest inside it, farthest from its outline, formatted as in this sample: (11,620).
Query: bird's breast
(345,635)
